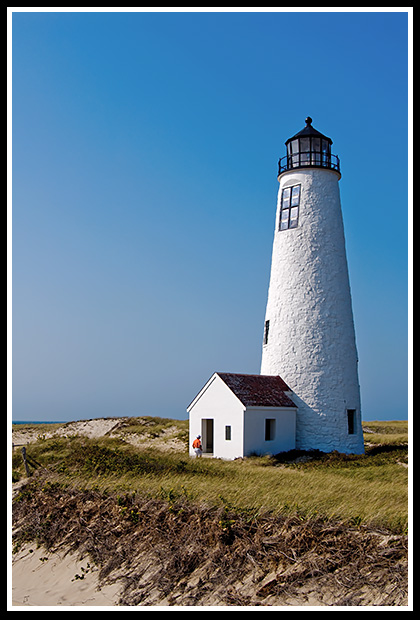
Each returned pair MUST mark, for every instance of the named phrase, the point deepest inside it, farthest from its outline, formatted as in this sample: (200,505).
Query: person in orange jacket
(197,446)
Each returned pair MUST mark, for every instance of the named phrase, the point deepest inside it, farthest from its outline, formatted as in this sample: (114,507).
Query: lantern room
(309,148)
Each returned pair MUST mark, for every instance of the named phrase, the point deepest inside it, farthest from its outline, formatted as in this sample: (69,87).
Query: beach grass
(370,489)
(387,432)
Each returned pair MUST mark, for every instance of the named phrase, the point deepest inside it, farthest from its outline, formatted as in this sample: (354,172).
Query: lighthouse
(307,394)
(309,337)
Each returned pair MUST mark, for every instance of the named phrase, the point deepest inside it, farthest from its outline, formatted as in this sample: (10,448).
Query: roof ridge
(245,374)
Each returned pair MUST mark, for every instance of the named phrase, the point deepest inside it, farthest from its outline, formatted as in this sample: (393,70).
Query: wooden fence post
(24,460)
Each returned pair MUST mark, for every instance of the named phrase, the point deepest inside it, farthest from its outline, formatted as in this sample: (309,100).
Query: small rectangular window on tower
(266,330)
(289,207)
(228,433)
(351,419)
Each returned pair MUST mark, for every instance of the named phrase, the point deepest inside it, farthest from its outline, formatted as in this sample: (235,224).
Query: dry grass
(171,551)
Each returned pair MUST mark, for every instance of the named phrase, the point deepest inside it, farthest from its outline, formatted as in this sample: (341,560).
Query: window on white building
(270,429)
(228,433)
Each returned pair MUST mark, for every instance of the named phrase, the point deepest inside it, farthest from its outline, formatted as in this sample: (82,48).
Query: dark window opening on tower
(289,208)
(266,329)
(351,421)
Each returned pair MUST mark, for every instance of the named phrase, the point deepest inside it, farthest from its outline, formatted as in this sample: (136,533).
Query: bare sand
(41,578)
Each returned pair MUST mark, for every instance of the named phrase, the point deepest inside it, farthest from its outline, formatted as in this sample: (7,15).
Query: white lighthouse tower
(309,337)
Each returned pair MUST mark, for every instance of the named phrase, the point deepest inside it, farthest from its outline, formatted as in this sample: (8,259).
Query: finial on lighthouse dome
(308,120)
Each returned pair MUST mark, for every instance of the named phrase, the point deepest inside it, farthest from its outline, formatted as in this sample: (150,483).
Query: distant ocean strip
(38,422)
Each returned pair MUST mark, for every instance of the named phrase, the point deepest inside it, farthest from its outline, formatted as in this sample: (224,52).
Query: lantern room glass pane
(316,152)
(304,144)
(294,147)
(316,144)
(325,152)
(316,158)
(304,152)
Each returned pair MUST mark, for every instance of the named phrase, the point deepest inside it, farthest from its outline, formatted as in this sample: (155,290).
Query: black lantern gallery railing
(311,159)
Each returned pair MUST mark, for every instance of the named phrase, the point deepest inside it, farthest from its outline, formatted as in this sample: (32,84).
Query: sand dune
(41,578)
(91,428)
(113,427)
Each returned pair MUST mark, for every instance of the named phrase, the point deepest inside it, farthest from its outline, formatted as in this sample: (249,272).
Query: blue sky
(145,149)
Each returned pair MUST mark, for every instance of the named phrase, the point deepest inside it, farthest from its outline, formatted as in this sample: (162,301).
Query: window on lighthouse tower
(266,330)
(289,212)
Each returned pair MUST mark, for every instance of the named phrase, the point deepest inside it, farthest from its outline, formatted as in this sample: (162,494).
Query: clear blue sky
(145,149)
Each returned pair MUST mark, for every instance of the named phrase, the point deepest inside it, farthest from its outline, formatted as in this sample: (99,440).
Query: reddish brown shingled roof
(258,390)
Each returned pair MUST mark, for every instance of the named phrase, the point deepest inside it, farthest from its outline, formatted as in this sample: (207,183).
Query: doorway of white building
(207,432)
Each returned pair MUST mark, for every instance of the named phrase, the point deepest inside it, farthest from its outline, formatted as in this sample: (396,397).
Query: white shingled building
(309,338)
(238,415)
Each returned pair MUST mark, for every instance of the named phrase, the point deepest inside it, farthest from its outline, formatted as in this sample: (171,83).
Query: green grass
(369,489)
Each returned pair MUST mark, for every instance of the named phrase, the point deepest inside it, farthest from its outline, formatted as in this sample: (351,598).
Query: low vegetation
(255,531)
(369,489)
